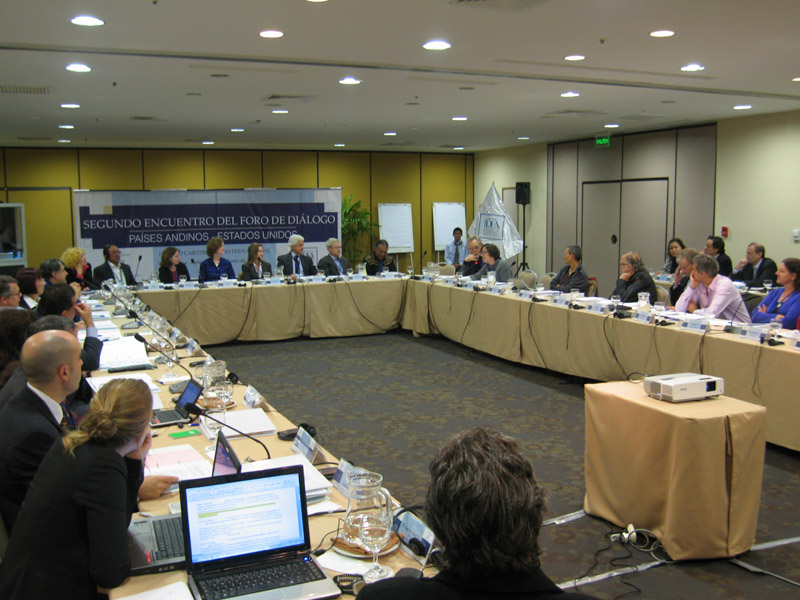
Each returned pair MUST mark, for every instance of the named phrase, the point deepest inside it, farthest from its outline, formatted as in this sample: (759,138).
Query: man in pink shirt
(711,294)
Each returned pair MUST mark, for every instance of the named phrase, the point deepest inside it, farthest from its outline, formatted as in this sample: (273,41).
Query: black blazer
(329,268)
(71,535)
(564,282)
(86,281)
(767,271)
(639,282)
(165,275)
(27,430)
(676,289)
(104,272)
(249,271)
(725,264)
(285,261)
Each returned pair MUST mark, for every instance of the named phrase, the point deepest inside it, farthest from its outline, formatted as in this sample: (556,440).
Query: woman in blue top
(782,303)
(212,268)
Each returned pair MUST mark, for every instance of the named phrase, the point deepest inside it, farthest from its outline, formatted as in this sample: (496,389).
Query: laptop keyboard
(169,534)
(257,580)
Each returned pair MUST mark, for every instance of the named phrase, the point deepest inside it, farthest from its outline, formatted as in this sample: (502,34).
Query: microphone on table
(140,338)
(138,262)
(195,410)
(134,315)
(421,262)
(729,328)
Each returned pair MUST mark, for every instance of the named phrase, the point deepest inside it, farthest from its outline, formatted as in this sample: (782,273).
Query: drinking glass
(154,278)
(573,294)
(374,534)
(539,288)
(436,273)
(385,270)
(659,307)
(616,300)
(215,405)
(223,276)
(767,285)
(410,270)
(280,271)
(644,300)
(171,356)
(182,279)
(491,277)
(224,390)
(350,273)
(774,328)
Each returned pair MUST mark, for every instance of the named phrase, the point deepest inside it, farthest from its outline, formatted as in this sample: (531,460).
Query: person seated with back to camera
(171,268)
(634,279)
(379,259)
(215,266)
(255,267)
(712,294)
(485,507)
(782,303)
(490,254)
(571,276)
(333,264)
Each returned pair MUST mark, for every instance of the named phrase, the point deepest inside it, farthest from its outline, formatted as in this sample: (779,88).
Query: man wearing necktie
(334,264)
(296,264)
(454,251)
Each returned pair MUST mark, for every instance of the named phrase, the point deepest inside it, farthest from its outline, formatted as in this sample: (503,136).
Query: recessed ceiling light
(66,126)
(208,143)
(64,141)
(436,45)
(389,133)
(611,125)
(78,68)
(87,21)
(692,67)
(279,111)
(662,33)
(316,0)
(743,107)
(458,147)
(570,95)
(271,34)
(459,118)
(575,57)
(339,145)
(349,81)
(523,138)
(69,105)
(236,129)
(796,79)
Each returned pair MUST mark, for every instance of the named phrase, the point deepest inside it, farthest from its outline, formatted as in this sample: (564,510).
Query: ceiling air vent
(287,98)
(579,113)
(515,6)
(142,118)
(34,139)
(25,89)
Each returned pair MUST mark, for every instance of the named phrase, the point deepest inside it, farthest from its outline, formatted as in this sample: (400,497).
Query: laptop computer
(178,415)
(246,535)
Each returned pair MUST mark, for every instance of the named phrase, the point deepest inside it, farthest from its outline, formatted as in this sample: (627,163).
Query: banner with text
(142,224)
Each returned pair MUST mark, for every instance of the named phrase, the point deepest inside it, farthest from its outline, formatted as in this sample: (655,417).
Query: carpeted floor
(386,402)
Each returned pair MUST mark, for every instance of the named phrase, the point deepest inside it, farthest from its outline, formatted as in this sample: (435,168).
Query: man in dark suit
(682,274)
(113,268)
(755,269)
(296,264)
(31,421)
(59,300)
(715,246)
(334,264)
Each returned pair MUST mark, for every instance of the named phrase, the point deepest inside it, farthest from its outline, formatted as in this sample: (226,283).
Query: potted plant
(356,223)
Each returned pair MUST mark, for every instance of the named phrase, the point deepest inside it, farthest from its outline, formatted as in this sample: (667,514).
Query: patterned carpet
(386,402)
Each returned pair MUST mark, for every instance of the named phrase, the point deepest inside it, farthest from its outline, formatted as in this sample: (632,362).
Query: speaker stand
(524,264)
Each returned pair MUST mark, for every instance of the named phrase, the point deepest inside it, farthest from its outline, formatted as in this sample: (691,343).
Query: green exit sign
(602,141)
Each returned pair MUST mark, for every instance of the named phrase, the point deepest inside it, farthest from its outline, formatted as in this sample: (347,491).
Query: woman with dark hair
(70,540)
(485,507)
(490,254)
(171,268)
(674,247)
(214,267)
(782,303)
(255,267)
(13,325)
(633,278)
(31,285)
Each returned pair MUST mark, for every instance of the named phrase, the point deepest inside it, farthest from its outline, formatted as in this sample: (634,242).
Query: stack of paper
(252,421)
(317,487)
(98,382)
(123,352)
(182,461)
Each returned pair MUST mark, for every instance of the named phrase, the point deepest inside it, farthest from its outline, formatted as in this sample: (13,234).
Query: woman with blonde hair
(70,540)
(78,270)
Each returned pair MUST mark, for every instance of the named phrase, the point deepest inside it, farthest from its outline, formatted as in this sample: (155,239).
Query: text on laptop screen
(241,517)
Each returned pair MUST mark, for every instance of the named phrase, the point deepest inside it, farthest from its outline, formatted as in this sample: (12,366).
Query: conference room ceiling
(177,73)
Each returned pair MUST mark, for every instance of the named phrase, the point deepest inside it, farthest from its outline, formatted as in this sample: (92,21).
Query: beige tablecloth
(689,472)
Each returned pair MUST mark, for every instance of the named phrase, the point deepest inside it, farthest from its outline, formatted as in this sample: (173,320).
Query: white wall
(504,168)
(758,183)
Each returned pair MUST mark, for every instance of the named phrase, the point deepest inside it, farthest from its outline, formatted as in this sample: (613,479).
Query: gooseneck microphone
(134,315)
(421,262)
(195,410)
(138,262)
(140,338)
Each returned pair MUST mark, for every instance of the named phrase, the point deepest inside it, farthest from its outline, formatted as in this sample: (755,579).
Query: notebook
(156,543)
(247,535)
(178,415)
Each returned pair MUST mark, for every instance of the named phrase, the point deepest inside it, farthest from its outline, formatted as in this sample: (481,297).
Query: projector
(683,387)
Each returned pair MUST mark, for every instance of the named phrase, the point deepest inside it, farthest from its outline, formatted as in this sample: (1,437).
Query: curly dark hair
(485,505)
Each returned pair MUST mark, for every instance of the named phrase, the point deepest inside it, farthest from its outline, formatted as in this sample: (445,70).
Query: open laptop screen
(242,516)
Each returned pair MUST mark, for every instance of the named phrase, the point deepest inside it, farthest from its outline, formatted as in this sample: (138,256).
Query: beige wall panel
(290,169)
(110,169)
(48,222)
(648,155)
(443,180)
(41,168)
(165,169)
(232,169)
(347,170)
(565,202)
(694,186)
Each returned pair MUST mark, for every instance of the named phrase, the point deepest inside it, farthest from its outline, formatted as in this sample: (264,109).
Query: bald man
(31,421)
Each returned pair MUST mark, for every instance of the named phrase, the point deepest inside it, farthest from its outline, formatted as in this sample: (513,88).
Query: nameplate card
(643,316)
(525,294)
(154,285)
(754,332)
(227,283)
(391,275)
(469,285)
(451,281)
(357,277)
(317,279)
(599,308)
(304,444)
(562,300)
(695,324)
(797,345)
(496,289)
(275,281)
(252,399)
(427,277)
(188,285)
(341,479)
